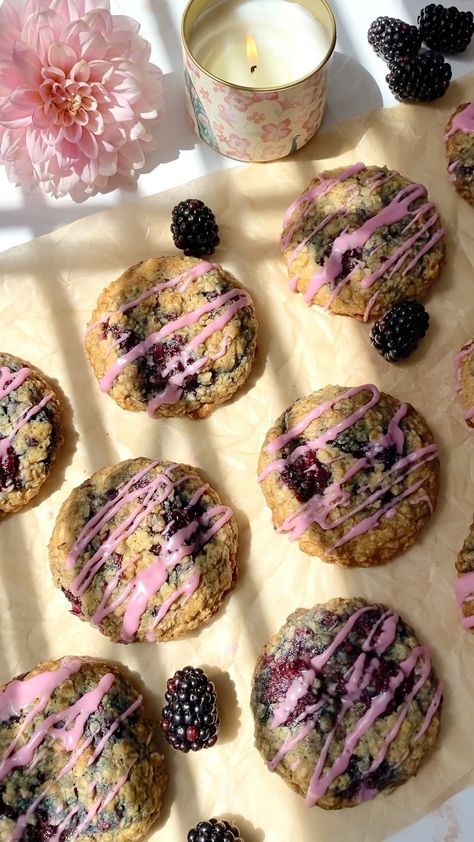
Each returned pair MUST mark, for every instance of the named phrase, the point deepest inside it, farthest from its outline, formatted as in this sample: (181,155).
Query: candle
(256,73)
(259,43)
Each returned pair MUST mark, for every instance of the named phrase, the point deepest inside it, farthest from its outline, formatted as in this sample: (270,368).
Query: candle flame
(252,53)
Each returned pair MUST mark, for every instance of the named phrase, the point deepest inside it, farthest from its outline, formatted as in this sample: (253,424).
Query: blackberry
(190,719)
(306,476)
(194,228)
(446,30)
(214,830)
(423,78)
(397,333)
(393,38)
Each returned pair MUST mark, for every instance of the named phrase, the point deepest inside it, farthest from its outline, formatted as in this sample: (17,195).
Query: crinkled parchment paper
(48,289)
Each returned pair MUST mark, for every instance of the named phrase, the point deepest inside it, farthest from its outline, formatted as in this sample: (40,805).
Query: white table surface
(357,85)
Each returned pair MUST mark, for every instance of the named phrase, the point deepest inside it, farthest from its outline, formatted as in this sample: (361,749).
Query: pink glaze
(299,248)
(370,304)
(464,591)
(101,803)
(320,189)
(356,681)
(186,590)
(173,390)
(319,508)
(181,281)
(398,208)
(23,419)
(123,716)
(64,824)
(298,688)
(280,441)
(236,299)
(290,744)
(425,499)
(11,380)
(39,689)
(463,121)
(148,582)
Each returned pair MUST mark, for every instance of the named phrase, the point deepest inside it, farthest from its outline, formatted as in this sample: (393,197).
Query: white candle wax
(290,42)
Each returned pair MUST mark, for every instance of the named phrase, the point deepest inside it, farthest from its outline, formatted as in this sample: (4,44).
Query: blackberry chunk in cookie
(459,144)
(346,702)
(359,239)
(30,431)
(351,474)
(172,336)
(78,755)
(144,550)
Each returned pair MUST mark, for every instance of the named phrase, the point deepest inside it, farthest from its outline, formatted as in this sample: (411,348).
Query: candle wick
(253,68)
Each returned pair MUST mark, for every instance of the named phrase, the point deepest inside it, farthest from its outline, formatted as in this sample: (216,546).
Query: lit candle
(256,73)
(288,42)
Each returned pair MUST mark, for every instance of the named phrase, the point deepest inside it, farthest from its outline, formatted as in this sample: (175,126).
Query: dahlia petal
(125,23)
(88,144)
(11,117)
(107,162)
(90,171)
(27,62)
(70,34)
(93,46)
(62,55)
(72,133)
(96,122)
(9,76)
(100,20)
(53,74)
(82,117)
(80,72)
(24,99)
(40,118)
(101,71)
(69,150)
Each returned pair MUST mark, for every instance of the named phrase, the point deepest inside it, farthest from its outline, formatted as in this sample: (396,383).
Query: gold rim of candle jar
(205,3)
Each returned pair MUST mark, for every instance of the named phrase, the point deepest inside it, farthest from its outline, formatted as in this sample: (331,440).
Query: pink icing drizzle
(11,380)
(324,185)
(148,582)
(463,121)
(35,693)
(23,419)
(235,300)
(398,208)
(357,680)
(318,509)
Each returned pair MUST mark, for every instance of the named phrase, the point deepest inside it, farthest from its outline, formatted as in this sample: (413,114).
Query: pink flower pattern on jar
(255,125)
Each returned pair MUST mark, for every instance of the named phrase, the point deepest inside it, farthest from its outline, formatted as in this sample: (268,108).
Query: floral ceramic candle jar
(256,73)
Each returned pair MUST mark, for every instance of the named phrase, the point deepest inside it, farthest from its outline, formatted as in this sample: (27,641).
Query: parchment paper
(48,289)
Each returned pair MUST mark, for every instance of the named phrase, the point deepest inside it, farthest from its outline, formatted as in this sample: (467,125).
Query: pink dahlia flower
(77,93)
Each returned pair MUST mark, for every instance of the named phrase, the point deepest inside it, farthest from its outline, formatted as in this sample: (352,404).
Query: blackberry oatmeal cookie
(173,336)
(30,431)
(79,757)
(351,474)
(459,140)
(144,551)
(464,368)
(361,238)
(345,702)
(464,589)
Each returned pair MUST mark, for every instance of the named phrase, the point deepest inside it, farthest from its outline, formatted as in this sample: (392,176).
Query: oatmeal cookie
(459,144)
(144,551)
(173,336)
(465,582)
(345,702)
(464,367)
(360,238)
(30,431)
(351,474)
(79,757)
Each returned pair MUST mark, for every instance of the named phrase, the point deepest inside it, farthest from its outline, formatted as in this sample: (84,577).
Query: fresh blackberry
(190,719)
(397,333)
(423,78)
(446,30)
(393,38)
(194,228)
(215,830)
